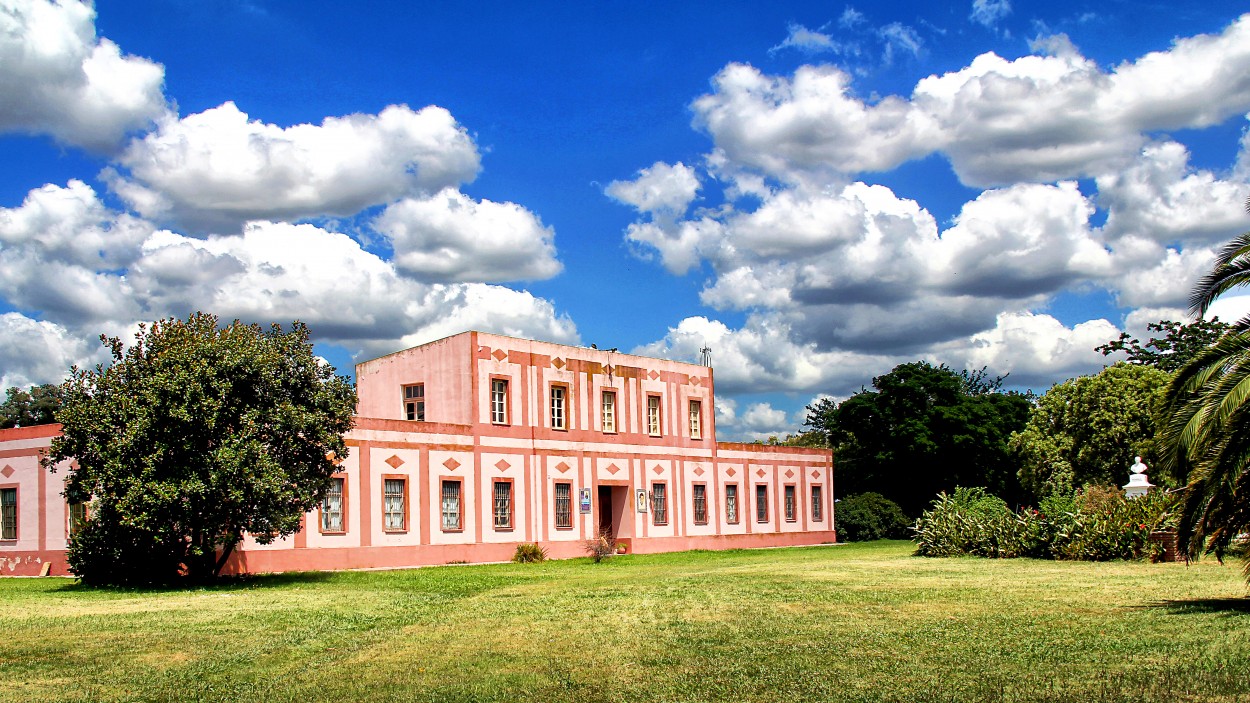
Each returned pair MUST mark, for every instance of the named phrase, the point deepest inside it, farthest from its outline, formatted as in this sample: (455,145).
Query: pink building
(465,447)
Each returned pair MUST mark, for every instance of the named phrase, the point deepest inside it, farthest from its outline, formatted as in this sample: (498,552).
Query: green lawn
(849,623)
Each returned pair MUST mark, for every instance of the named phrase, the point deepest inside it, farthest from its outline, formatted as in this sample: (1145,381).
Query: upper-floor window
(559,408)
(791,504)
(609,411)
(414,402)
(761,503)
(818,505)
(731,503)
(333,512)
(696,419)
(499,401)
(698,496)
(8,513)
(659,503)
(653,415)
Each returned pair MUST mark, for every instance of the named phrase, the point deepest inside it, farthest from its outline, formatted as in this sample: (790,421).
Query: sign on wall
(640,500)
(583,495)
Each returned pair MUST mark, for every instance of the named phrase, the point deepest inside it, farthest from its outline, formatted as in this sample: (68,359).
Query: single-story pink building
(465,447)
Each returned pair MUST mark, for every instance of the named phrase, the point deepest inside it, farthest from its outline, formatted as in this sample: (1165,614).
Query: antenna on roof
(705,356)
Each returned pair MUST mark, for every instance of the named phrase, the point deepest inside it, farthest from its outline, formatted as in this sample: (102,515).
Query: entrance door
(606,522)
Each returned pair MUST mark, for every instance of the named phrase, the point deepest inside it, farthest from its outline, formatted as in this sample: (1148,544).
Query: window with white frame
(451,506)
(394,500)
(659,503)
(564,505)
(698,498)
(731,503)
(502,499)
(332,507)
(696,419)
(761,503)
(414,402)
(818,505)
(791,504)
(609,411)
(653,415)
(499,401)
(8,513)
(559,411)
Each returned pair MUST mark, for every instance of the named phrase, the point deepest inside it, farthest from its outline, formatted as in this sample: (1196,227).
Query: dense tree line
(24,407)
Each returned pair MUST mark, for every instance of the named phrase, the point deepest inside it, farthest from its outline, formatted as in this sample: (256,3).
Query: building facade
(466,447)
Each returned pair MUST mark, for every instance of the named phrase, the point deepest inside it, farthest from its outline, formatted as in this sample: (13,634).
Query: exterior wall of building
(466,449)
(42,515)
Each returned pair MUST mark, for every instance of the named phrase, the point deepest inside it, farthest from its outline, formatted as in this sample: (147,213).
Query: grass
(862,622)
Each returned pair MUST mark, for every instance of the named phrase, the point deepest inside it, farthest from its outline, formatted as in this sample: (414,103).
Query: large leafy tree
(192,436)
(1087,430)
(36,406)
(1207,435)
(1176,346)
(924,429)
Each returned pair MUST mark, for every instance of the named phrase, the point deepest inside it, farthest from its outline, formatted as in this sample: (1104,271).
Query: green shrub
(529,553)
(1095,524)
(871,516)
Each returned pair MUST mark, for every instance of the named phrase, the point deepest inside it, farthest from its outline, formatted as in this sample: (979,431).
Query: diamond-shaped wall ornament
(558,362)
(815,474)
(609,369)
(653,375)
(695,380)
(395,462)
(760,473)
(789,473)
(499,354)
(502,465)
(730,472)
(612,468)
(657,470)
(451,464)
(698,472)
(562,467)
(7,471)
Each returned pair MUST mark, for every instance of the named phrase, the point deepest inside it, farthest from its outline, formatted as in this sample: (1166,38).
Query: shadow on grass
(1229,606)
(245,582)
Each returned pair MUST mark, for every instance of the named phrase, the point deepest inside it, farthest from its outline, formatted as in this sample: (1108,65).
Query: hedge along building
(465,447)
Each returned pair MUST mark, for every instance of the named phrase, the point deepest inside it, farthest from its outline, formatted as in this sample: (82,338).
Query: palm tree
(1207,409)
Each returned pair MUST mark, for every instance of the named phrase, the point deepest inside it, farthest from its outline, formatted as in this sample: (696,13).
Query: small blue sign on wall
(583,495)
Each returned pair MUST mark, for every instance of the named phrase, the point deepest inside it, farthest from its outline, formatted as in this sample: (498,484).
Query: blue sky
(815,191)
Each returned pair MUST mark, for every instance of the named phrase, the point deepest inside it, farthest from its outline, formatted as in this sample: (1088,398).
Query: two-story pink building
(466,447)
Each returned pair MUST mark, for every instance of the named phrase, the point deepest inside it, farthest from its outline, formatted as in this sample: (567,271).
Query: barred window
(414,402)
(451,506)
(696,419)
(503,505)
(564,505)
(659,503)
(731,503)
(791,504)
(393,490)
(761,503)
(818,505)
(332,508)
(699,498)
(8,513)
